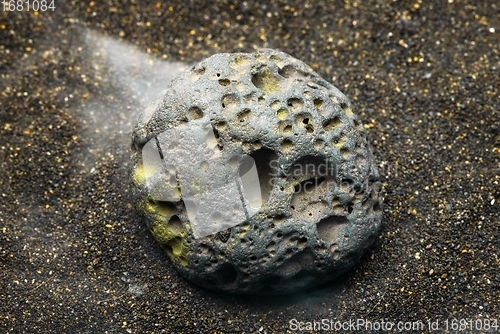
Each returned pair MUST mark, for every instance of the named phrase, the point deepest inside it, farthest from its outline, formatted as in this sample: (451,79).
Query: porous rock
(319,205)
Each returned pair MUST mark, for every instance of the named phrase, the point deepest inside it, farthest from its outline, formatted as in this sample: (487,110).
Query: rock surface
(255,175)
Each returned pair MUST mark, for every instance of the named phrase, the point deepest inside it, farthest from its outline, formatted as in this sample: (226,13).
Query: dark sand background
(75,256)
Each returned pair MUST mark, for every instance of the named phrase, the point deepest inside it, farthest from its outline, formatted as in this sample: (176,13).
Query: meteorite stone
(255,175)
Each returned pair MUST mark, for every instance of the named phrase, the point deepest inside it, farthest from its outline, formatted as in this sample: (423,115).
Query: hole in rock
(250,98)
(175,225)
(271,246)
(328,228)
(311,166)
(242,60)
(318,103)
(227,274)
(231,101)
(312,178)
(366,204)
(295,103)
(195,113)
(220,126)
(287,145)
(332,123)
(344,151)
(307,186)
(302,242)
(199,71)
(304,121)
(277,60)
(257,145)
(290,71)
(348,111)
(243,115)
(296,263)
(175,246)
(275,104)
(287,129)
(224,235)
(168,249)
(318,143)
(267,81)
(263,159)
(282,113)
(164,208)
(217,136)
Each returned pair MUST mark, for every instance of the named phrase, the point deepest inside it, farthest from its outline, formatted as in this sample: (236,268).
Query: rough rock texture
(320,206)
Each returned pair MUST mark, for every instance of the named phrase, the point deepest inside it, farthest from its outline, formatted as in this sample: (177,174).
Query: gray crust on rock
(319,184)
